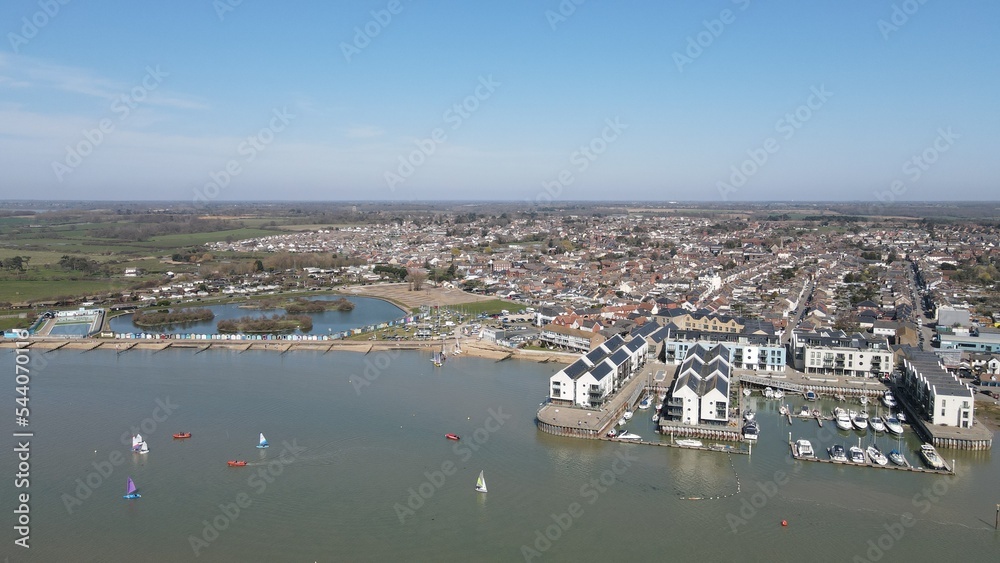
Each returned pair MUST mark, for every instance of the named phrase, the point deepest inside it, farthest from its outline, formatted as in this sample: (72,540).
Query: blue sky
(288,100)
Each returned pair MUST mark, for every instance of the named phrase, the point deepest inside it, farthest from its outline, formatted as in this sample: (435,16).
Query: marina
(343,475)
(869,462)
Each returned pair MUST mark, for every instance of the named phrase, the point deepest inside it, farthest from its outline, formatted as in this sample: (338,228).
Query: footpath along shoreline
(469,347)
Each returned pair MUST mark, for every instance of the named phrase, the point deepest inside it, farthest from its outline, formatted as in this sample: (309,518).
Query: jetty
(721,448)
(798,383)
(948,470)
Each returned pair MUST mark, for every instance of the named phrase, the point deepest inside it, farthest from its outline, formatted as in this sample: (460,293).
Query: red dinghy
(452,436)
(234,463)
(181,435)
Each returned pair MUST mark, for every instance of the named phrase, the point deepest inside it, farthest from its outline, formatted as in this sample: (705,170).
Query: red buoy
(784,522)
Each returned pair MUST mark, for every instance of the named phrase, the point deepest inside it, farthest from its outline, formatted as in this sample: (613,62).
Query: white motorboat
(656,418)
(629,436)
(690,443)
(888,400)
(901,416)
(658,407)
(931,457)
(746,391)
(804,411)
(837,453)
(779,394)
(860,421)
(622,422)
(876,423)
(768,393)
(893,425)
(876,455)
(856,454)
(843,419)
(750,431)
(645,403)
(749,416)
(811,395)
(627,415)
(804,448)
(864,400)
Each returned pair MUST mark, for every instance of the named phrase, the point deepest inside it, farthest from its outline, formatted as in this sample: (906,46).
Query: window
(942,412)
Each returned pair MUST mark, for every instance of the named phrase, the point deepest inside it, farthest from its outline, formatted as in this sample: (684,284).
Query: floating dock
(869,463)
(722,448)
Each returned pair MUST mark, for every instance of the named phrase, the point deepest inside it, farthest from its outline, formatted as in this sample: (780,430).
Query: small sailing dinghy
(130,490)
(263,441)
(481,483)
(139,445)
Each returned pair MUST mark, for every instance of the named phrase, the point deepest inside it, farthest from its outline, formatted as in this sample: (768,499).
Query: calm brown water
(360,452)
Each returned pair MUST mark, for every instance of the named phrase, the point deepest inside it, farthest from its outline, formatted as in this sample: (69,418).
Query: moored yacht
(843,419)
(768,393)
(837,453)
(888,400)
(627,415)
(750,431)
(931,457)
(896,457)
(687,443)
(644,404)
(856,454)
(893,425)
(860,421)
(779,394)
(629,436)
(876,423)
(804,448)
(876,455)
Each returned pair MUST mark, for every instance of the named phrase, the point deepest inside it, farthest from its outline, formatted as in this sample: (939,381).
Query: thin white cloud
(26,72)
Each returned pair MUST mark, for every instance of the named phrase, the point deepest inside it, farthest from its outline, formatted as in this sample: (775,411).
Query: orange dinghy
(452,436)
(234,463)
(180,435)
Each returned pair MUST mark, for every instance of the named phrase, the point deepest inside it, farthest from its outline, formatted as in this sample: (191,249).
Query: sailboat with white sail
(139,445)
(263,441)
(481,483)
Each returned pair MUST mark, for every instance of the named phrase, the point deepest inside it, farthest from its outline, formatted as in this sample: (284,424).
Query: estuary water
(369,476)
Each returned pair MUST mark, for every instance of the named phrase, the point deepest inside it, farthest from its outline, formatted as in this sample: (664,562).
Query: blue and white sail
(263,441)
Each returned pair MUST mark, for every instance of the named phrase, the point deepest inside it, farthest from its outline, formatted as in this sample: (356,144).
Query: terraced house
(597,374)
(700,394)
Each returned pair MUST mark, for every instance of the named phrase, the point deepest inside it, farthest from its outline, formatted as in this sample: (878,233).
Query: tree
(416,277)
(14,263)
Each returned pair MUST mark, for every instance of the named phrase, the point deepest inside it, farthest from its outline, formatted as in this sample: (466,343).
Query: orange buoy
(784,522)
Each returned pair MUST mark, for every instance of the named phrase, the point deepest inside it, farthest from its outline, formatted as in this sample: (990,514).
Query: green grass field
(16,291)
(492,307)
(197,239)
(9,323)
